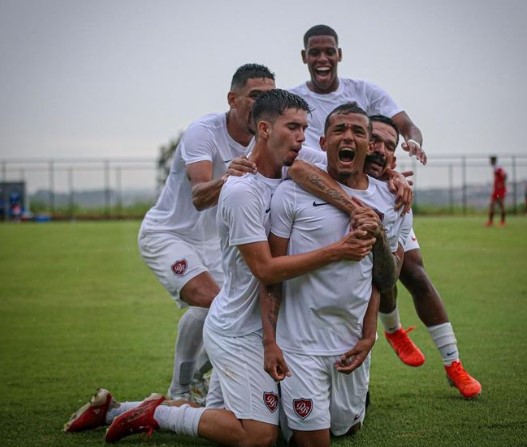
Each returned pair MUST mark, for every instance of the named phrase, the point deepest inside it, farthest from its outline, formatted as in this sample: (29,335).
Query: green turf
(79,310)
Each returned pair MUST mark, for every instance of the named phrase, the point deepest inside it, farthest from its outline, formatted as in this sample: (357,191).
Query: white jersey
(322,312)
(206,139)
(243,218)
(372,98)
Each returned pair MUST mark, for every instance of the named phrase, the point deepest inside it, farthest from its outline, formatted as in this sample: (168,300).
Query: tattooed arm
(386,265)
(270,301)
(318,182)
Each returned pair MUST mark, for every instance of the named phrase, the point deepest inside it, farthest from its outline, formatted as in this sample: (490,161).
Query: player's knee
(200,291)
(417,281)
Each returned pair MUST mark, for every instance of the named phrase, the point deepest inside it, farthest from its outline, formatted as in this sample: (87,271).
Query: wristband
(415,142)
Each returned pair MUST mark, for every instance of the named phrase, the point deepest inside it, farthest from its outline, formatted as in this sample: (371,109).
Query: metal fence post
(71,204)
(514,186)
(107,187)
(464,185)
(51,197)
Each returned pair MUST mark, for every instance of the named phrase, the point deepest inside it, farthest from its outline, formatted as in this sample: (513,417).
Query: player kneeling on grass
(428,303)
(328,317)
(233,328)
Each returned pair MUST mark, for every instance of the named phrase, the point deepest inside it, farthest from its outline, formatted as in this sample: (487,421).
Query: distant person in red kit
(499,191)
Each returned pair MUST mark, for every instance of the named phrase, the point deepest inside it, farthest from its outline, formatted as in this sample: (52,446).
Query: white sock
(391,321)
(188,346)
(445,340)
(183,420)
(123,406)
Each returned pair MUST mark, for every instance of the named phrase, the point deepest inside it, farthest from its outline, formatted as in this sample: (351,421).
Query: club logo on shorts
(270,400)
(179,267)
(303,407)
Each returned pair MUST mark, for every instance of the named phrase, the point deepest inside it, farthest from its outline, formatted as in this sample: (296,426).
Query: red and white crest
(270,400)
(303,407)
(179,267)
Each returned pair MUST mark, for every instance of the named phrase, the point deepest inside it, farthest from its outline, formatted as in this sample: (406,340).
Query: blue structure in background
(12,200)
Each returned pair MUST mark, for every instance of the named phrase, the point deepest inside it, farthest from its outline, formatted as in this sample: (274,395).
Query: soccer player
(499,191)
(327,324)
(427,301)
(233,326)
(326,90)
(178,239)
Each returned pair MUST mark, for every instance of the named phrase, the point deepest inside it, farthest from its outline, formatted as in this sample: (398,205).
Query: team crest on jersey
(179,267)
(303,407)
(270,400)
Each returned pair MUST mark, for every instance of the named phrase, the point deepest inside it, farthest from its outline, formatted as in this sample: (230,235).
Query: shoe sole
(453,385)
(99,398)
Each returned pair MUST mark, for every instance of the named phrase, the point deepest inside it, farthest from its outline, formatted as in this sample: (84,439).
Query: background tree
(166,154)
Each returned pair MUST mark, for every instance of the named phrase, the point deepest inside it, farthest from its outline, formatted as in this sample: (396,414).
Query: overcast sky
(119,78)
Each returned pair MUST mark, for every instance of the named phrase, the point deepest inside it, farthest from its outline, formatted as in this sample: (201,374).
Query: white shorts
(317,396)
(247,390)
(175,262)
(411,242)
(214,396)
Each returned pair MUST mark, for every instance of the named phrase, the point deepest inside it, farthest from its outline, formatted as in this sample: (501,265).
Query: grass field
(79,310)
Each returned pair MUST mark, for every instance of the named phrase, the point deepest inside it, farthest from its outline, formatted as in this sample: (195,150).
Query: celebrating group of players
(284,280)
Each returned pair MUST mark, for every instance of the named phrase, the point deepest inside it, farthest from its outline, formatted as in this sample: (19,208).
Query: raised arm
(205,189)
(412,135)
(318,182)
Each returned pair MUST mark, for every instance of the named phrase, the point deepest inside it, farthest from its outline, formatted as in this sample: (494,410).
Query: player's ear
(393,163)
(231,99)
(340,54)
(303,54)
(263,129)
(323,143)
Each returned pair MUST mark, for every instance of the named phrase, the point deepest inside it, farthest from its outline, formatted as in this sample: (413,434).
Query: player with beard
(427,301)
(326,90)
(328,318)
(233,328)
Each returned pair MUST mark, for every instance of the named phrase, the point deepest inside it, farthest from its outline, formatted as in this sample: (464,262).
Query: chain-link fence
(452,183)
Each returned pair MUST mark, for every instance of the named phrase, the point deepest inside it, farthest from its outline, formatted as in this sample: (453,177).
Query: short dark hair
(250,71)
(320,30)
(493,159)
(386,120)
(275,102)
(346,109)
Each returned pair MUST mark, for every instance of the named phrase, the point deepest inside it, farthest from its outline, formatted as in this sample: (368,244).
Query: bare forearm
(270,302)
(369,325)
(281,268)
(319,183)
(385,271)
(205,195)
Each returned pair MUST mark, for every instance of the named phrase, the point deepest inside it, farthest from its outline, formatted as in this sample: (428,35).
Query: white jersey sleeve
(243,214)
(198,144)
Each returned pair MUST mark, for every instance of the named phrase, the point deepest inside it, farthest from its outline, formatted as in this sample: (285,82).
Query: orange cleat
(404,347)
(462,380)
